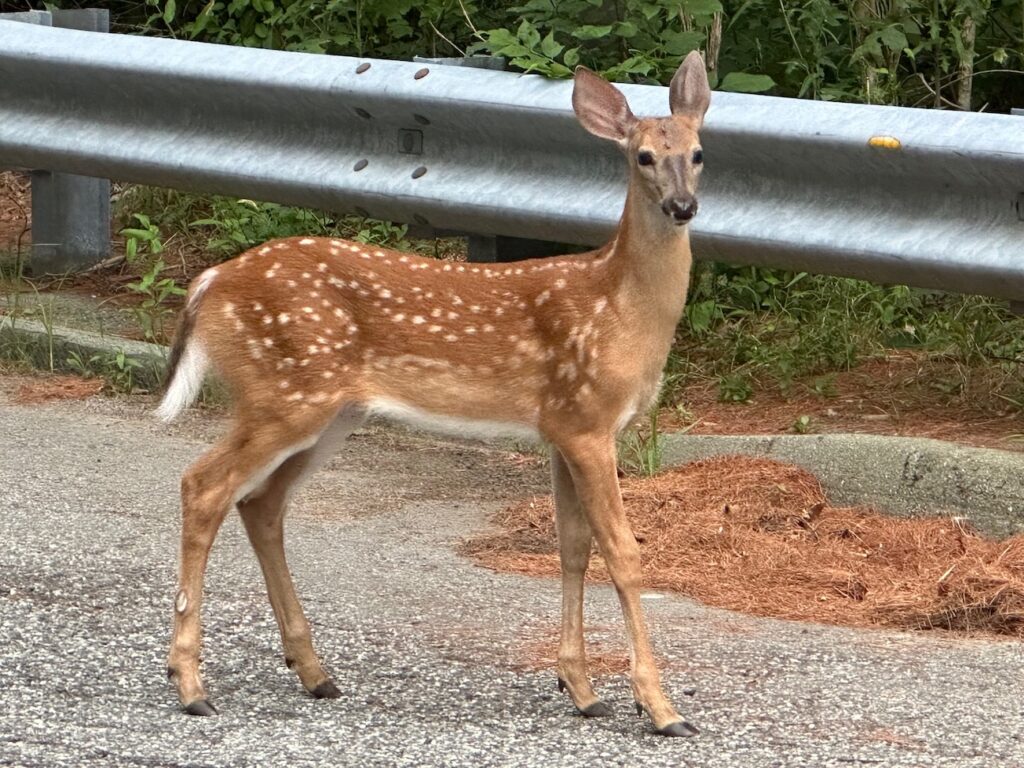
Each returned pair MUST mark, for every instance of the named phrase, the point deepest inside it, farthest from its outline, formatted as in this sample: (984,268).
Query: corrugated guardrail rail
(789,183)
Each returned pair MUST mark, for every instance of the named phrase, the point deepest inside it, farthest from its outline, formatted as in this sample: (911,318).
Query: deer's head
(664,153)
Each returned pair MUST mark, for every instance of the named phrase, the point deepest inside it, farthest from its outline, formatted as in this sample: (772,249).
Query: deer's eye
(645,158)
(698,156)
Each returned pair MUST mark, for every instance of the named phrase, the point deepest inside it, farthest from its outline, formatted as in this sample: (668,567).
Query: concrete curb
(903,476)
(51,347)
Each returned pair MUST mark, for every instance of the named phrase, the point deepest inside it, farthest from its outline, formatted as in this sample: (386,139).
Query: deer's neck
(651,265)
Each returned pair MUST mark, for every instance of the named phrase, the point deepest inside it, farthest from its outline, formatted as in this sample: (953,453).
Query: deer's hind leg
(233,467)
(263,515)
(574,540)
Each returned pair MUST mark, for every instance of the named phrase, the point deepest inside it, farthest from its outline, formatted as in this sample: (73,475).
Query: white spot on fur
(542,297)
(307,241)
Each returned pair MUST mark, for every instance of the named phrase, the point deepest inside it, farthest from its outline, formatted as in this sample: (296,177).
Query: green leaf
(549,47)
(528,34)
(571,57)
(701,314)
(169,11)
(625,29)
(702,7)
(138,234)
(893,38)
(744,82)
(591,32)
(681,43)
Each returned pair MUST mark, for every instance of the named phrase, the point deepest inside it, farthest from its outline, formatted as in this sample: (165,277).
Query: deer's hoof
(326,690)
(200,708)
(597,709)
(678,729)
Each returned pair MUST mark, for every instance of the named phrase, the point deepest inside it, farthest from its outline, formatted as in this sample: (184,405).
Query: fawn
(313,335)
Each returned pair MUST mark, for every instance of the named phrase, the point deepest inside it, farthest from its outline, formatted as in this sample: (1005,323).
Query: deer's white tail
(186,381)
(188,362)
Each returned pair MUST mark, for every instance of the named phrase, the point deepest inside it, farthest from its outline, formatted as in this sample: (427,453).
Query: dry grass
(759,536)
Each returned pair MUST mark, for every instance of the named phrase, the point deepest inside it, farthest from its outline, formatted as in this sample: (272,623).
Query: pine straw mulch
(759,536)
(45,388)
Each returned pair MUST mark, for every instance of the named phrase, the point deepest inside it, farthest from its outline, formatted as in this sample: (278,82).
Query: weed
(734,388)
(117,368)
(143,247)
(640,449)
(824,386)
(803,424)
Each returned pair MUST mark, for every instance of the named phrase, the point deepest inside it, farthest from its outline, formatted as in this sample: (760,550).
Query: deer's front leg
(591,461)
(574,540)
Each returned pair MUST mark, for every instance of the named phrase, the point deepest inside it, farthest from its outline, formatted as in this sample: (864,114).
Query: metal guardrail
(788,183)
(70,214)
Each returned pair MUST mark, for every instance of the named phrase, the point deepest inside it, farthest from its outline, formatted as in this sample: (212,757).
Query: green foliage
(734,388)
(946,52)
(633,40)
(395,29)
(640,450)
(802,425)
(232,226)
(749,327)
(143,247)
(117,368)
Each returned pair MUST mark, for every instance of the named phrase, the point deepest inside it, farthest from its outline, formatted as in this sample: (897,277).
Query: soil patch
(759,536)
(905,393)
(47,388)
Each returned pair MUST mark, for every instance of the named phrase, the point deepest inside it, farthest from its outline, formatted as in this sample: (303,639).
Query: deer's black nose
(681,209)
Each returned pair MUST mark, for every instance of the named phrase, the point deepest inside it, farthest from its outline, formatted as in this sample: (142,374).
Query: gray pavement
(424,646)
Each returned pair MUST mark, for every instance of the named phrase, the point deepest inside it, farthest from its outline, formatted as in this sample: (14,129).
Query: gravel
(429,651)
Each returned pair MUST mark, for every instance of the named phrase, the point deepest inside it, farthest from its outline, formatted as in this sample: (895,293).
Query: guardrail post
(491,248)
(70,213)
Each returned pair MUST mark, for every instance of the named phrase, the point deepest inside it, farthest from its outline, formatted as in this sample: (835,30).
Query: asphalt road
(426,648)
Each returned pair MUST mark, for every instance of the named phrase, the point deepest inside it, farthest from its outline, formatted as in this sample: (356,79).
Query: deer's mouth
(680,209)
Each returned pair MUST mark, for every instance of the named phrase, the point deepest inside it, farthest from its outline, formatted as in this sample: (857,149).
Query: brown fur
(310,333)
(182,334)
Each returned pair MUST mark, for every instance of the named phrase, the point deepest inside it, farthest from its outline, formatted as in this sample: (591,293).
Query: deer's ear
(600,107)
(689,94)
